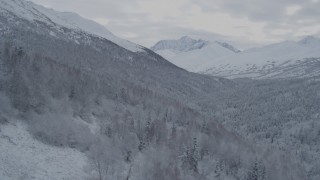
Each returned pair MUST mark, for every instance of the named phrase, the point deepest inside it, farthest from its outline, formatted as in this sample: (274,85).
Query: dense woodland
(283,113)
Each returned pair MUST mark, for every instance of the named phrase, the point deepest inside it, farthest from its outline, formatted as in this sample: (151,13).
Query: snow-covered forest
(133,131)
(76,105)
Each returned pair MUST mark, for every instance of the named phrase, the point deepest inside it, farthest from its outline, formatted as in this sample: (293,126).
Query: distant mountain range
(281,60)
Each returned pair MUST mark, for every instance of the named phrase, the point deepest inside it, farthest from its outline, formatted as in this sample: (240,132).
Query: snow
(183,44)
(189,54)
(191,60)
(285,59)
(252,61)
(23,157)
(30,11)
(168,54)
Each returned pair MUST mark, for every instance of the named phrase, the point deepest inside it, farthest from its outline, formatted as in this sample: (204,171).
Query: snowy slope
(23,157)
(282,60)
(286,59)
(190,54)
(32,12)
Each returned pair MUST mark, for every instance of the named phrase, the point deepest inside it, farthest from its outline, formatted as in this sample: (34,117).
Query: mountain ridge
(288,59)
(189,53)
(183,44)
(279,60)
(33,12)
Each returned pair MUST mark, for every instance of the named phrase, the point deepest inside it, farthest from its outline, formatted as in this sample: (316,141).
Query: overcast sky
(243,22)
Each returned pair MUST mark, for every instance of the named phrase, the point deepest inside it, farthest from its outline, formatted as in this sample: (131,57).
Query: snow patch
(23,157)
(191,60)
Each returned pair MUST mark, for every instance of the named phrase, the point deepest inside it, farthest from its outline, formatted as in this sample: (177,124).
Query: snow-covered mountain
(281,60)
(183,44)
(76,105)
(189,53)
(33,12)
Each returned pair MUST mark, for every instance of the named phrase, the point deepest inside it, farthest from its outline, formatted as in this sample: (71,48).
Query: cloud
(288,15)
(245,21)
(257,10)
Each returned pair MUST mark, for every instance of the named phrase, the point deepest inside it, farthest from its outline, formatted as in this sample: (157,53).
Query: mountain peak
(309,40)
(183,44)
(187,39)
